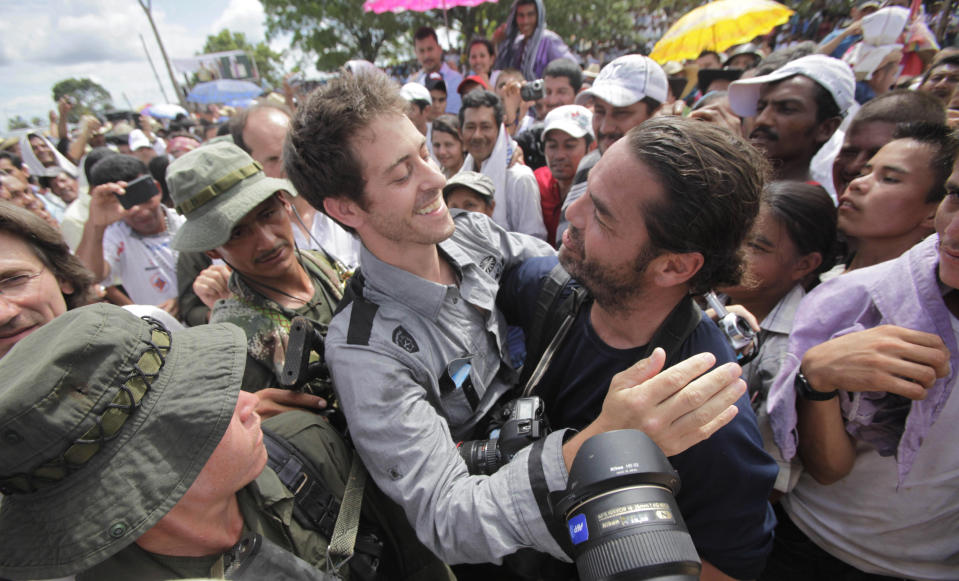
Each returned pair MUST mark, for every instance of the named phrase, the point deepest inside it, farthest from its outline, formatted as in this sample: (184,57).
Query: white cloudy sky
(45,41)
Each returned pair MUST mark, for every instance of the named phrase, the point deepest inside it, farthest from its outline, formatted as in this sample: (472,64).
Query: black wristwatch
(806,391)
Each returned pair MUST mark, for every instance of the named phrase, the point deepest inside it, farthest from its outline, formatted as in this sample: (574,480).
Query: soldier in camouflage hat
(237,214)
(129,452)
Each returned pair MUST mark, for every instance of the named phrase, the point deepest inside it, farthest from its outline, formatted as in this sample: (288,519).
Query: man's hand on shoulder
(677,408)
(885,358)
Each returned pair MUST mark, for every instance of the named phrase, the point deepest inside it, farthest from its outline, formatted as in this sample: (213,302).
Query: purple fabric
(903,292)
(551,47)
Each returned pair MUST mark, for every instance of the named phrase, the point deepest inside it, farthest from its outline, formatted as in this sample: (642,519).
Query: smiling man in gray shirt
(422,308)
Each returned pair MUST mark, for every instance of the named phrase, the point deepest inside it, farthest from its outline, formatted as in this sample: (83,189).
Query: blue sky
(45,41)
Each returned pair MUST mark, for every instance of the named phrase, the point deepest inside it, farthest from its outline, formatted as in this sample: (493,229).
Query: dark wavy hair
(809,216)
(712,184)
(318,154)
(48,245)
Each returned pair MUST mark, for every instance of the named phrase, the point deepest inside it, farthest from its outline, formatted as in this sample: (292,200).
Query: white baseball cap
(137,139)
(832,74)
(627,80)
(573,119)
(415,92)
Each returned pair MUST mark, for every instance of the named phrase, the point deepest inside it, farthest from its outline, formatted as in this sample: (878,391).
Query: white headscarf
(38,169)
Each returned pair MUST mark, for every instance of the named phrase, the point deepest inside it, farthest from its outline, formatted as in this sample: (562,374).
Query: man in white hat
(567,137)
(628,91)
(790,113)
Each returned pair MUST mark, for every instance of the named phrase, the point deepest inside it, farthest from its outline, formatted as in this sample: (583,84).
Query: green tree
(268,62)
(339,30)
(88,97)
(17,122)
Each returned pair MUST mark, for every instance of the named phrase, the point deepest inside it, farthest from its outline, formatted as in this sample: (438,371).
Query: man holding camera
(491,151)
(651,232)
(127,236)
(418,348)
(235,213)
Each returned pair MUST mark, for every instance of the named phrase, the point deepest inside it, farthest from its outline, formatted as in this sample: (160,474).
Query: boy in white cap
(567,137)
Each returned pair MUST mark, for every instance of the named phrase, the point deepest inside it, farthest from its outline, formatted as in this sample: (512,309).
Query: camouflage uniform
(267,324)
(267,508)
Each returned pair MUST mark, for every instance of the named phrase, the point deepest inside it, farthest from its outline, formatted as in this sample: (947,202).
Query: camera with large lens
(518,424)
(621,512)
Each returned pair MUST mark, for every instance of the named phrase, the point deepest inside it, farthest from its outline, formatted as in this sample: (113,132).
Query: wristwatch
(806,391)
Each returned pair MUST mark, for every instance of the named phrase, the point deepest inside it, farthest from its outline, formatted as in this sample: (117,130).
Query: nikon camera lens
(621,512)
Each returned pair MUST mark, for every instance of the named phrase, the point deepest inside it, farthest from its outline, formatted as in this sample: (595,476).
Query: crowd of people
(260,343)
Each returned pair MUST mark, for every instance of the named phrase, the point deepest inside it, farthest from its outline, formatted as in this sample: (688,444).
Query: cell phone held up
(138,191)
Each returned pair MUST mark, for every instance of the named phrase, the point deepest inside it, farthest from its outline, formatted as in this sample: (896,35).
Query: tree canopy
(338,30)
(267,61)
(89,97)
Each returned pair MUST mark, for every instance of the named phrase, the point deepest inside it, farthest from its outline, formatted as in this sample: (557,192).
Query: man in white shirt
(130,246)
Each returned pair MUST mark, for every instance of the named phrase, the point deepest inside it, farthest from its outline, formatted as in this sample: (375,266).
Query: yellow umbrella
(718,26)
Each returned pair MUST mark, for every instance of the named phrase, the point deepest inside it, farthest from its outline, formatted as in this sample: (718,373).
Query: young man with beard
(419,346)
(651,231)
(790,113)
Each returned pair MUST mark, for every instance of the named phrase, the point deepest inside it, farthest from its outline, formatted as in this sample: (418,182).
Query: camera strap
(562,298)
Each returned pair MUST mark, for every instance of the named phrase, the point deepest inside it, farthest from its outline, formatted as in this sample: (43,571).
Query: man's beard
(612,290)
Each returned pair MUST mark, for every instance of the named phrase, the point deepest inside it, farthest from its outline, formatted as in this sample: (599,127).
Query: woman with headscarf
(528,46)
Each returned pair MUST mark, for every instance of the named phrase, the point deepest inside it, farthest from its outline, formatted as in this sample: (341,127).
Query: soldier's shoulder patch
(492,266)
(403,338)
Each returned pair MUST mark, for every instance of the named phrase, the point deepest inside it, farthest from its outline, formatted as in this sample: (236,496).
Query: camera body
(741,337)
(520,422)
(533,90)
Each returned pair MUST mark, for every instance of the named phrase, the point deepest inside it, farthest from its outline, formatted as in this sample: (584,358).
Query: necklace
(310,303)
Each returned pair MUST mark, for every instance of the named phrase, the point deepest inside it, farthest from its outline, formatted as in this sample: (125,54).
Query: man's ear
(671,268)
(214,254)
(930,220)
(825,129)
(65,287)
(344,211)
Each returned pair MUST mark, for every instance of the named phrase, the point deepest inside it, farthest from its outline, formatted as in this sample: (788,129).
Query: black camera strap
(557,306)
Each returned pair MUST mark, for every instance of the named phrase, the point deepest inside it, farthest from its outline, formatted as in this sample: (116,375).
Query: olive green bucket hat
(105,422)
(215,186)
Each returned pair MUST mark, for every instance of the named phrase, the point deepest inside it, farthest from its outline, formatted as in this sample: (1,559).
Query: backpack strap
(314,507)
(364,311)
(317,509)
(560,299)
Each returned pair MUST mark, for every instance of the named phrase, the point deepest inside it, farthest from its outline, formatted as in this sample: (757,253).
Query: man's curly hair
(712,184)
(320,153)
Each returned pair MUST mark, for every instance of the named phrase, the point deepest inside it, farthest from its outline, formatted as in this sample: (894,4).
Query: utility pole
(146,5)
(155,74)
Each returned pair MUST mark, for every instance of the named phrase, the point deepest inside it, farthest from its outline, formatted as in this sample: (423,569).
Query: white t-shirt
(144,265)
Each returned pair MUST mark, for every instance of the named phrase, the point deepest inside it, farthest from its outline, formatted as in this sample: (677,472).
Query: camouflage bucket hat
(105,422)
(215,186)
